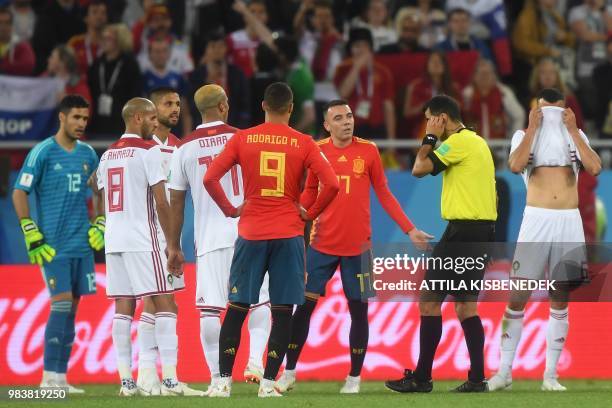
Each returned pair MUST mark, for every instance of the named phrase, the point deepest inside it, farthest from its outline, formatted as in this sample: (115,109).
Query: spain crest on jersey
(358,166)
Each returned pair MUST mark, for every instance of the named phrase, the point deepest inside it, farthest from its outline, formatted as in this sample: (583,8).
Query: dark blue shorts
(283,259)
(355,272)
(74,275)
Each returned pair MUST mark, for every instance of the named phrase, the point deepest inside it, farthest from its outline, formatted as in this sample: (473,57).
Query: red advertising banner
(24,307)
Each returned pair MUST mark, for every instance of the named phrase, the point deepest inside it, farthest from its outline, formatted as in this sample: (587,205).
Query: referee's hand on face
(435,126)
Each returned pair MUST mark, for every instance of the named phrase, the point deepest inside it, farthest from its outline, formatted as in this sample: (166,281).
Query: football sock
(147,352)
(67,341)
(556,335)
(122,340)
(300,324)
(474,339)
(167,342)
(259,332)
(512,327)
(358,335)
(279,339)
(229,336)
(429,338)
(55,333)
(210,326)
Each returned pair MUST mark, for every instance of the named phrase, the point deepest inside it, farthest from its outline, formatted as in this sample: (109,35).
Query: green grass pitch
(580,394)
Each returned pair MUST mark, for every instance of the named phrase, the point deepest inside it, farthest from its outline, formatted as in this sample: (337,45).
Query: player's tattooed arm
(97,197)
(162,207)
(176,258)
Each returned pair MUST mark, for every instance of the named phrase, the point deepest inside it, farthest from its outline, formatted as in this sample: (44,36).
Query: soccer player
(549,154)
(469,206)
(133,183)
(168,105)
(215,234)
(57,170)
(340,236)
(273,158)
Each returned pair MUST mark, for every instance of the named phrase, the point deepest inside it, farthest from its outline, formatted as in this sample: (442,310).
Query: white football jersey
(552,146)
(166,148)
(126,172)
(212,229)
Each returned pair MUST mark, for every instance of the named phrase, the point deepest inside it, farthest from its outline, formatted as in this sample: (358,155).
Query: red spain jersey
(273,158)
(344,229)
(85,51)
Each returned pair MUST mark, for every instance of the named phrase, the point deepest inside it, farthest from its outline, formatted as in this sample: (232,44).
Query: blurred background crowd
(387,57)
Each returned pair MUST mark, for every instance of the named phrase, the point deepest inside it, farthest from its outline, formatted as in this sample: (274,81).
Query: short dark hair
(72,101)
(94,3)
(332,103)
(323,3)
(288,47)
(278,97)
(444,104)
(260,2)
(551,95)
(457,10)
(160,92)
(265,58)
(360,34)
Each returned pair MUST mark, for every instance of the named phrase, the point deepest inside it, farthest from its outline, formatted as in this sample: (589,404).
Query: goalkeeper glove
(96,233)
(38,250)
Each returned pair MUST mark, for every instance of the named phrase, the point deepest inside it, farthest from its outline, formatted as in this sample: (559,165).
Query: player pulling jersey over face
(273,158)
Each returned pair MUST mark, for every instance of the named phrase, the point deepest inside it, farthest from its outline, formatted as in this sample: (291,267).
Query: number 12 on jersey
(207,160)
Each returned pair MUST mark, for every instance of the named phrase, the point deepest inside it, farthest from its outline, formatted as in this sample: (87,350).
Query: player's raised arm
(219,166)
(317,163)
(522,142)
(589,159)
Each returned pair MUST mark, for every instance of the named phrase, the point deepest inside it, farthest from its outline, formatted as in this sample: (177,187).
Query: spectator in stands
(214,68)
(241,44)
(299,78)
(489,23)
(160,75)
(24,19)
(321,47)
(114,78)
(16,56)
(459,37)
(368,86)
(62,64)
(539,31)
(489,106)
(603,94)
(55,24)
(87,46)
(546,74)
(436,80)
(266,63)
(408,26)
(159,24)
(376,19)
(588,23)
(433,22)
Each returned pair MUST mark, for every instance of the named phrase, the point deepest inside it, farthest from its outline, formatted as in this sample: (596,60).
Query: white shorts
(213,271)
(550,245)
(138,274)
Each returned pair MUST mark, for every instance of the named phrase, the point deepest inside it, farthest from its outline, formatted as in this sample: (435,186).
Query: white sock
(146,340)
(556,335)
(210,326)
(167,343)
(512,327)
(289,373)
(265,383)
(259,332)
(49,376)
(122,340)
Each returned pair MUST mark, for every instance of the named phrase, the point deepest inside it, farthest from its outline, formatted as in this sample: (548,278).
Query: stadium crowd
(387,57)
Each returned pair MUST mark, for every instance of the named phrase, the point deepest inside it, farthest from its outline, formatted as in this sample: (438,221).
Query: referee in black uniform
(469,205)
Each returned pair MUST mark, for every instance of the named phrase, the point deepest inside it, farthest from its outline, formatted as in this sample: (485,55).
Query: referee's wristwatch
(430,139)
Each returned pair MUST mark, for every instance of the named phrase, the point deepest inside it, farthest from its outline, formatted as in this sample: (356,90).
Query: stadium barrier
(393,345)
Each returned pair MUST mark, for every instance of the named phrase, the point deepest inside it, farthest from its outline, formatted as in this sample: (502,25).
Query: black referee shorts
(459,258)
